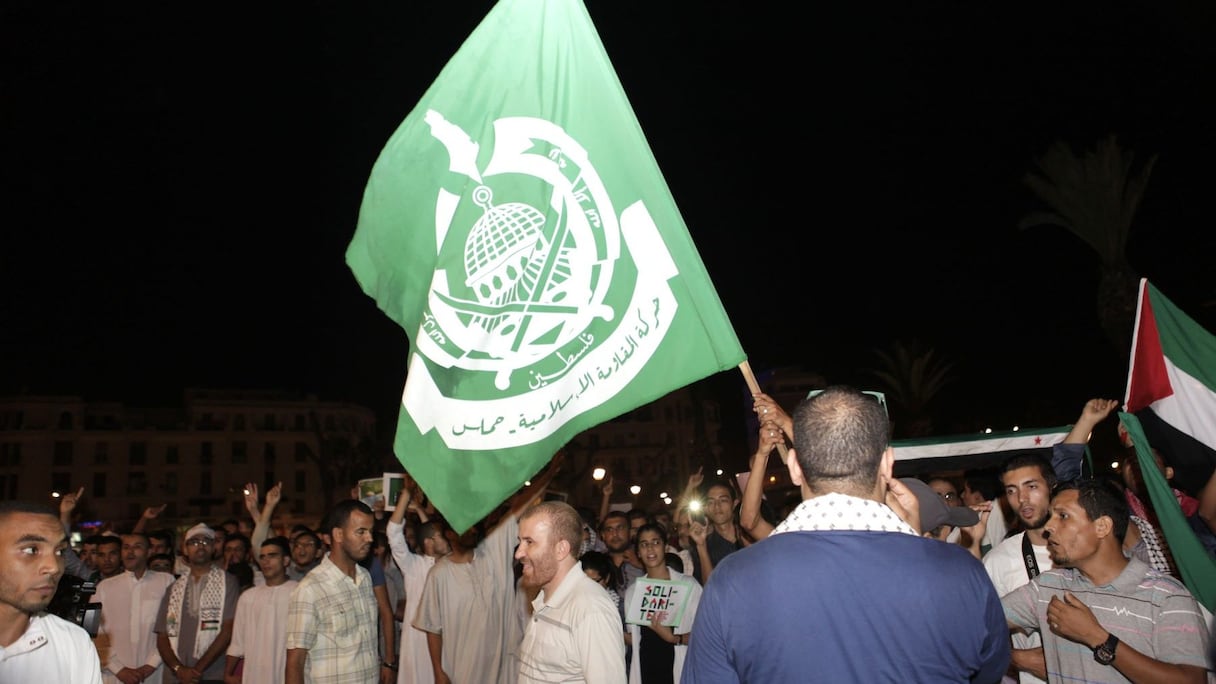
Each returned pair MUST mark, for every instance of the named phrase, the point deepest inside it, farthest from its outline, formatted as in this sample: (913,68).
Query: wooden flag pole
(750,378)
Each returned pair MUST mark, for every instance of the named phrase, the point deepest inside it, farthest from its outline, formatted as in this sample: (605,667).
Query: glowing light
(667,500)
(55,494)
(1016,428)
(987,431)
(527,483)
(1114,465)
(719,471)
(772,478)
(598,474)
(694,505)
(663,495)
(635,490)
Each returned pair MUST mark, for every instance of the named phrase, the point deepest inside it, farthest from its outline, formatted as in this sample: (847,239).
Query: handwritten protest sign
(655,597)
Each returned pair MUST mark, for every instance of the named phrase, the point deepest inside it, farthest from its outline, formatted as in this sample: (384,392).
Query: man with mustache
(332,618)
(36,646)
(1105,617)
(1028,481)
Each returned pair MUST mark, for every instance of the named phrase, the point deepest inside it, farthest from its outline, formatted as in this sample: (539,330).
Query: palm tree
(1094,195)
(912,377)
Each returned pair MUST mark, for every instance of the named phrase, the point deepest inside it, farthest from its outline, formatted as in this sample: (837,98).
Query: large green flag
(517,227)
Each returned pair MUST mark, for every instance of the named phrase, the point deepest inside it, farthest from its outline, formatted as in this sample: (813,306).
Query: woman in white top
(658,649)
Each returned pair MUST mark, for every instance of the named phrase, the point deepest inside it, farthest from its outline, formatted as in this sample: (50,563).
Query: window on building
(134,511)
(300,424)
(12,486)
(204,483)
(268,421)
(61,482)
(63,454)
(171,454)
(268,454)
(138,453)
(65,420)
(137,483)
(301,481)
(170,483)
(101,453)
(99,485)
(239,453)
(238,421)
(302,452)
(329,422)
(14,454)
(205,455)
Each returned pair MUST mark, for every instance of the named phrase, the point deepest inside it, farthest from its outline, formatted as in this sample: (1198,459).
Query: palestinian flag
(1171,388)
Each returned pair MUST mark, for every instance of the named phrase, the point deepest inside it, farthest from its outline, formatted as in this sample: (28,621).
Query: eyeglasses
(198,541)
(878,396)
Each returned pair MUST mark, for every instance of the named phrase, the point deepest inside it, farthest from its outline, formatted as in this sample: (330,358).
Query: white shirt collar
(841,512)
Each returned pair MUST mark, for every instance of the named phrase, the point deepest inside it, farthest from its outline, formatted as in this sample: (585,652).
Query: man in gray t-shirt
(1102,616)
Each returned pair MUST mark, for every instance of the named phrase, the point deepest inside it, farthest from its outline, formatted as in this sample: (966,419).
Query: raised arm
(261,529)
(750,519)
(1067,456)
(150,513)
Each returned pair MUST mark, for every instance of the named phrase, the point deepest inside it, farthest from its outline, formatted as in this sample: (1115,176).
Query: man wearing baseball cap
(194,624)
(937,519)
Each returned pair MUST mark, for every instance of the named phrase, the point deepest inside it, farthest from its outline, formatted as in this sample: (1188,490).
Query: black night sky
(180,183)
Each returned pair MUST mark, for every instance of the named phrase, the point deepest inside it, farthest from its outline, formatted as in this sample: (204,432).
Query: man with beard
(36,646)
(470,608)
(575,632)
(1105,617)
(1028,481)
(108,556)
(332,618)
(129,603)
(194,624)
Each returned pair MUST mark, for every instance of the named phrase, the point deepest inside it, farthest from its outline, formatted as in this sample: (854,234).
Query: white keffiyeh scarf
(210,610)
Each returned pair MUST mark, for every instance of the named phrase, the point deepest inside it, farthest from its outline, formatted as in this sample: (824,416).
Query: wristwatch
(1104,652)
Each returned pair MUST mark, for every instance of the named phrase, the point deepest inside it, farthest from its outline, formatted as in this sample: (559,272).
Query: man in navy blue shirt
(845,589)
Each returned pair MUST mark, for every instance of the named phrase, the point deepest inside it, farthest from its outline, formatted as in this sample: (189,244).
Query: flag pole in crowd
(1170,403)
(518,227)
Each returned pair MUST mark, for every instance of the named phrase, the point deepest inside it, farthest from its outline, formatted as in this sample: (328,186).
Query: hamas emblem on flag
(535,313)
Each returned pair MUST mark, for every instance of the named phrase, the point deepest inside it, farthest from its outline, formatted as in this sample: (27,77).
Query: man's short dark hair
(30,507)
(108,539)
(639,514)
(307,534)
(840,435)
(164,535)
(282,542)
(613,514)
(723,483)
(428,529)
(245,543)
(340,514)
(1099,499)
(985,482)
(1031,460)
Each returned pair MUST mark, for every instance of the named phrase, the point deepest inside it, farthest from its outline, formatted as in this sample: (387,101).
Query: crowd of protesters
(1024,571)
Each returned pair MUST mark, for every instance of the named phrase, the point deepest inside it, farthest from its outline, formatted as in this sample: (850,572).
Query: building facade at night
(195,458)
